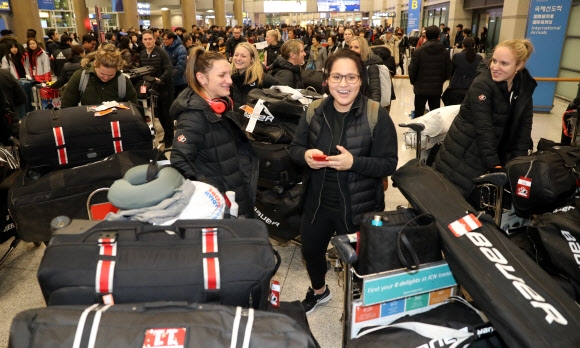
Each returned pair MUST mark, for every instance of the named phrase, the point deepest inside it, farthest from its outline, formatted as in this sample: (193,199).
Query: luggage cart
(422,144)
(354,286)
(45,97)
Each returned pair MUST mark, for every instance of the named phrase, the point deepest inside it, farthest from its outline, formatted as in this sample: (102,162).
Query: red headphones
(220,105)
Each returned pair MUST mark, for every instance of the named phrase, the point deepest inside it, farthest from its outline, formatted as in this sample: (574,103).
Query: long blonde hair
(364,47)
(254,72)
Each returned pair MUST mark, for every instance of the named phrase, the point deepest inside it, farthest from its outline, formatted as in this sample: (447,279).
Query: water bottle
(231,195)
(377,221)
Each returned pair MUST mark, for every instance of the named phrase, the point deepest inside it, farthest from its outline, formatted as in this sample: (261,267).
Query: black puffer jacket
(68,71)
(374,91)
(239,91)
(430,67)
(218,149)
(272,52)
(486,132)
(374,155)
(286,73)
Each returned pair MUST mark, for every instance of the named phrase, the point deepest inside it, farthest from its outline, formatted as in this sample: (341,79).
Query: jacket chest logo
(482,97)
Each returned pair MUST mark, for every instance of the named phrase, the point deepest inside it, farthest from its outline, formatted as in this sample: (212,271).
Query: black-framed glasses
(350,78)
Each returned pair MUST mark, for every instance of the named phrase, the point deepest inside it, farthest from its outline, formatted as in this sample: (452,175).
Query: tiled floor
(19,289)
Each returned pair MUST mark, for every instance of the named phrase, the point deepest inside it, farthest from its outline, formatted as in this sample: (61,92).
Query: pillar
(166,18)
(457,15)
(238,12)
(25,16)
(82,21)
(514,19)
(129,18)
(219,7)
(188,12)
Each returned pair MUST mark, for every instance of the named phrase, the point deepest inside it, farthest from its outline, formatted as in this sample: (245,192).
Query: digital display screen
(338,5)
(4,5)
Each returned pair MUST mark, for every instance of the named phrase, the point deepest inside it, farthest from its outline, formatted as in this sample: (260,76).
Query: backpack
(386,85)
(121,81)
(372,112)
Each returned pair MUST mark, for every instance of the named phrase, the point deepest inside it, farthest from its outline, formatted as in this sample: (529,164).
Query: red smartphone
(319,157)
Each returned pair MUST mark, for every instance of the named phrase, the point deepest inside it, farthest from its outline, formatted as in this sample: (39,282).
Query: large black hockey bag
(520,299)
(556,238)
(74,136)
(455,323)
(229,262)
(279,118)
(34,203)
(281,212)
(278,171)
(160,324)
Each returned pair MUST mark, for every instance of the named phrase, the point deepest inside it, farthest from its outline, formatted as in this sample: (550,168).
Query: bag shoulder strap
(310,111)
(122,86)
(372,113)
(84,82)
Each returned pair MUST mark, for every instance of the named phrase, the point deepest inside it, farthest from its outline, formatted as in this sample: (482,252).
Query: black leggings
(420,100)
(315,238)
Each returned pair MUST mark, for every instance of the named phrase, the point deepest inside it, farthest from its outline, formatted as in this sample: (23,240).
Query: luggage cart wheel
(59,222)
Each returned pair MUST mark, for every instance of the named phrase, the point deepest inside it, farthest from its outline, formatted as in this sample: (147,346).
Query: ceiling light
(164,9)
(210,10)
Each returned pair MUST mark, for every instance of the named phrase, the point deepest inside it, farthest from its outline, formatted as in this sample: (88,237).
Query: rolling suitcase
(34,203)
(161,324)
(74,136)
(277,170)
(230,262)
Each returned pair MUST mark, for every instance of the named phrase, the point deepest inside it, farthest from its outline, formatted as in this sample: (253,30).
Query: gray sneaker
(312,300)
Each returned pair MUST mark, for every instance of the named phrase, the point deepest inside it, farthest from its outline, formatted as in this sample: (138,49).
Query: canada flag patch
(181,138)
(482,97)
(466,224)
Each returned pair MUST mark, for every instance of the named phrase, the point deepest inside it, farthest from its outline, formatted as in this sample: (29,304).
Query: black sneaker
(312,300)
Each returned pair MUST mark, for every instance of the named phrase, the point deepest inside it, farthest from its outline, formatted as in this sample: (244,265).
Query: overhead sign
(338,5)
(5,6)
(45,5)
(143,9)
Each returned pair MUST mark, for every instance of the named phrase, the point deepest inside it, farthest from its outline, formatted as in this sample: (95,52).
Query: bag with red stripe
(74,136)
(519,298)
(230,262)
(159,324)
(34,203)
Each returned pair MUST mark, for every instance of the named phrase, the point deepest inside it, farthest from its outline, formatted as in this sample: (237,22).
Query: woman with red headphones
(208,133)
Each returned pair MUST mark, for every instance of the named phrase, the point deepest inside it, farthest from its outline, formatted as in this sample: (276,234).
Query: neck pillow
(134,192)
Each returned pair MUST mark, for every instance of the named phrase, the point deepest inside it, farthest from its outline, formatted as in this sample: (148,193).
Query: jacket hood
(176,42)
(64,45)
(433,46)
(373,59)
(281,63)
(381,51)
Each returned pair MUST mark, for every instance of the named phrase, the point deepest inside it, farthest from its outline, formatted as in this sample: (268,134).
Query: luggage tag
(524,185)
(466,224)
(143,89)
(254,114)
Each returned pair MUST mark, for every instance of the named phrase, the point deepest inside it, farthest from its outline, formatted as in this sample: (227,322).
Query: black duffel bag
(158,324)
(51,140)
(405,239)
(556,238)
(230,262)
(544,180)
(34,203)
(279,119)
(281,212)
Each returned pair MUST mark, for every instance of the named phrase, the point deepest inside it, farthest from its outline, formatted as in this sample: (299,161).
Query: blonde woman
(273,49)
(247,73)
(286,68)
(348,36)
(103,69)
(360,46)
(494,123)
(318,54)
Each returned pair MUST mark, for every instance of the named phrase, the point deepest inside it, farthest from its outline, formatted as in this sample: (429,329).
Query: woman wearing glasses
(348,182)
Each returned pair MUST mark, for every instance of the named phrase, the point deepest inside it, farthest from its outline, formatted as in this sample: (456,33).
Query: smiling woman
(209,144)
(349,181)
(101,71)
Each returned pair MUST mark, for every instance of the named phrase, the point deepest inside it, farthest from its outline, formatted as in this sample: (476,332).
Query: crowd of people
(205,75)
